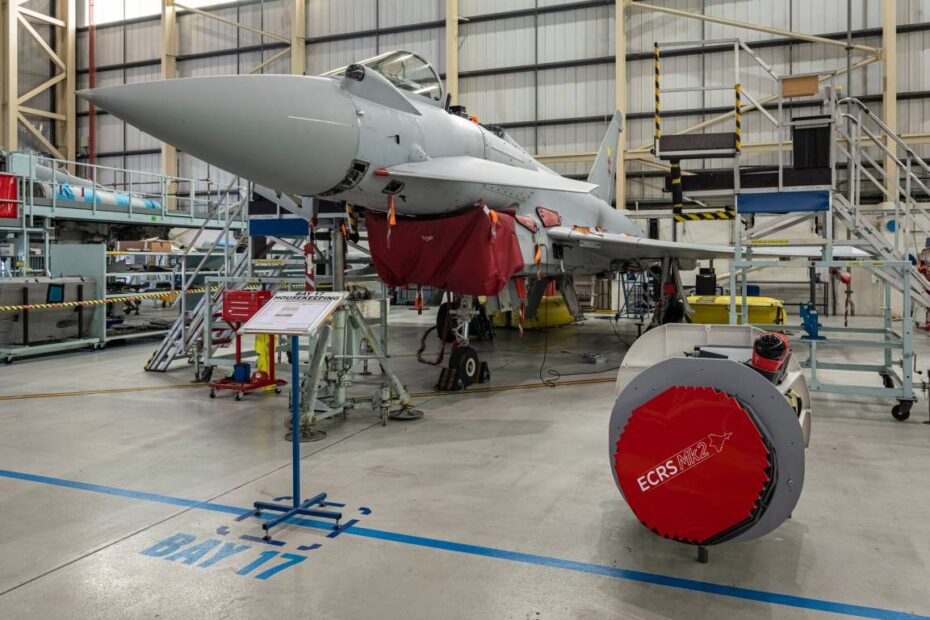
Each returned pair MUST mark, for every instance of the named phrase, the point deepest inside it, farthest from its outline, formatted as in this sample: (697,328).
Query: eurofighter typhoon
(459,206)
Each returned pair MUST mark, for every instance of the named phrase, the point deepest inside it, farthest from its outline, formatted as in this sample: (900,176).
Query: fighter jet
(450,203)
(460,206)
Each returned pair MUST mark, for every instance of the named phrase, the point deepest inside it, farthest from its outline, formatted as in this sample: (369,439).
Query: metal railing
(98,186)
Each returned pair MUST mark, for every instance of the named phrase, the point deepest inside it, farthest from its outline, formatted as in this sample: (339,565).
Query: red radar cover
(472,253)
(692,464)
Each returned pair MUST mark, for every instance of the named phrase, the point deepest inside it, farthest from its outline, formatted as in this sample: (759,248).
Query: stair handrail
(234,209)
(214,210)
(886,129)
(902,191)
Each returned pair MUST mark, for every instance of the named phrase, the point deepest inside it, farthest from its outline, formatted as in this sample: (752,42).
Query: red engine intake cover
(692,464)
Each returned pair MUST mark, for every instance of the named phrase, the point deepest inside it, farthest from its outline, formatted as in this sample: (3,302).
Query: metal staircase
(858,130)
(186,332)
(241,262)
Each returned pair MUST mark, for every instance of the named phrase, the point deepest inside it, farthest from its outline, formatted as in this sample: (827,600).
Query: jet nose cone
(291,133)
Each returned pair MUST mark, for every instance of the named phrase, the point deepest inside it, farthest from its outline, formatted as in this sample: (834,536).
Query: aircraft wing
(615,246)
(464,169)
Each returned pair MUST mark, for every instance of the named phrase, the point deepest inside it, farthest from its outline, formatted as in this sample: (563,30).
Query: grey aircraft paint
(352,134)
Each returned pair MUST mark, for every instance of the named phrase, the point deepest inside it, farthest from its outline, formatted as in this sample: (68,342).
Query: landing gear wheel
(465,361)
(902,411)
(444,326)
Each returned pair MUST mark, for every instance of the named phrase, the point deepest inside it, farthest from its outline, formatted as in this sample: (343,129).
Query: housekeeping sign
(294,313)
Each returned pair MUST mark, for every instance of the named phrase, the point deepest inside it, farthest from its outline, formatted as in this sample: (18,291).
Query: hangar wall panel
(585,33)
(143,41)
(400,12)
(429,44)
(484,7)
(501,43)
(328,17)
(500,98)
(322,57)
(576,92)
(523,97)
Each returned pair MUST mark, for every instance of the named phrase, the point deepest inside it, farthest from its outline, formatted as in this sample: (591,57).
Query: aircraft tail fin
(603,173)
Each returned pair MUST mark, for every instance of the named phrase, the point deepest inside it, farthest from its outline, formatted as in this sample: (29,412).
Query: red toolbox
(240,306)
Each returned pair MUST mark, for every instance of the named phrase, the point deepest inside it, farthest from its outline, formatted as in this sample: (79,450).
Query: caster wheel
(901,412)
(887,381)
(238,395)
(212,393)
(465,361)
(277,390)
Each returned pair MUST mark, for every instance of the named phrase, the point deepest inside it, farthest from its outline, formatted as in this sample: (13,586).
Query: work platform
(824,160)
(45,190)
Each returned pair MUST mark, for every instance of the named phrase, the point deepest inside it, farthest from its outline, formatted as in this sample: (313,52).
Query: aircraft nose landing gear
(465,361)
(453,323)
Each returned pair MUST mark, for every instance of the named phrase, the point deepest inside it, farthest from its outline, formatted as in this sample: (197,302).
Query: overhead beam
(38,39)
(44,86)
(38,135)
(281,54)
(299,37)
(35,15)
(800,36)
(452,50)
(9,98)
(43,113)
(621,99)
(231,22)
(890,86)
(169,52)
(66,43)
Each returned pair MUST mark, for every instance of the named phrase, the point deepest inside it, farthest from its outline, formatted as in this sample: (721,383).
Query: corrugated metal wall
(542,68)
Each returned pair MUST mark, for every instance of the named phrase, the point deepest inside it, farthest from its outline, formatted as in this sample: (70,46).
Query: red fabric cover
(456,253)
(8,207)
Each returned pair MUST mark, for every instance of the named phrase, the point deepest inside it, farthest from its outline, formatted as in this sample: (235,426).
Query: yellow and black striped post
(658,97)
(677,194)
(352,216)
(739,118)
(705,216)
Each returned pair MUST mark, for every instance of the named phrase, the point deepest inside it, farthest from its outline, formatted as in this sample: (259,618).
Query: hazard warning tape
(121,298)
(98,302)
(705,216)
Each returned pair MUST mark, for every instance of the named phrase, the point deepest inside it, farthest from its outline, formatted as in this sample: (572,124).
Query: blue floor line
(704,587)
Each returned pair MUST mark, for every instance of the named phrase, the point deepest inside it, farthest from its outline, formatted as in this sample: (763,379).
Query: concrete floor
(494,505)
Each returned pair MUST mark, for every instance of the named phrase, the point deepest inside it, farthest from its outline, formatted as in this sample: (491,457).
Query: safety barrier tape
(97,302)
(109,300)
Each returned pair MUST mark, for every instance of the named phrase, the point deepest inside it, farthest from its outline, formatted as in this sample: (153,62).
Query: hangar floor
(495,505)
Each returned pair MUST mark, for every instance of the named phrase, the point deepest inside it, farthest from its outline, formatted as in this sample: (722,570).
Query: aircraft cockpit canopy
(405,70)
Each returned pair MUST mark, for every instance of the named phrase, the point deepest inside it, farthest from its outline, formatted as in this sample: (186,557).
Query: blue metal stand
(311,507)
